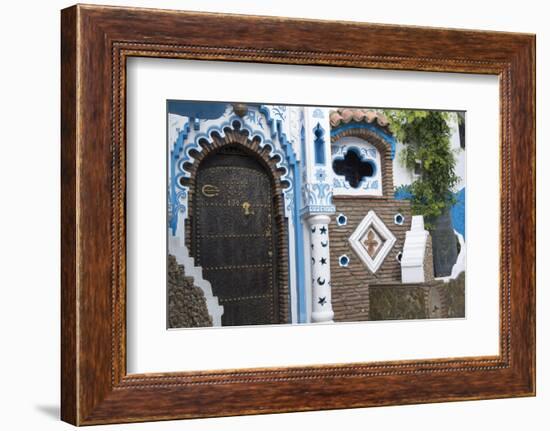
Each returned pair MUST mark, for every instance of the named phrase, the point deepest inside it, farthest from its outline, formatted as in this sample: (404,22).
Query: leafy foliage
(426,135)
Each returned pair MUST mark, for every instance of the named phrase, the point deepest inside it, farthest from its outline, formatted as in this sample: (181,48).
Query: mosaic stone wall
(456,296)
(432,300)
(186,302)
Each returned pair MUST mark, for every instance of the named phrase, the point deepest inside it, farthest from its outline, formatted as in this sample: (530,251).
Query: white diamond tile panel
(359,241)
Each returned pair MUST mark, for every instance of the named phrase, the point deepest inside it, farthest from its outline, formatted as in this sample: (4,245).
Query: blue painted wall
(403,193)
(458,214)
(200,110)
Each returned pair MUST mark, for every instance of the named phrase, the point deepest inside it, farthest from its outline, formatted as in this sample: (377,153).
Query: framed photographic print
(307,213)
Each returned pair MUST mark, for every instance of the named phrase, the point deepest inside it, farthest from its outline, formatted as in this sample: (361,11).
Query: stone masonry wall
(186,302)
(429,261)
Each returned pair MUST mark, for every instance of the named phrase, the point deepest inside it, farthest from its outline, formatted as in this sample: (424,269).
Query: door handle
(247,209)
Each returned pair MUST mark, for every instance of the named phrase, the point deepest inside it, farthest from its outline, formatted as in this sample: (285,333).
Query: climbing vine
(426,136)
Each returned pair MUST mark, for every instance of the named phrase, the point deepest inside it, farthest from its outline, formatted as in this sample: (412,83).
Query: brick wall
(350,292)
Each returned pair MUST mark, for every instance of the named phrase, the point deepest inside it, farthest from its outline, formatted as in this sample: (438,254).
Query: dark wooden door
(234,236)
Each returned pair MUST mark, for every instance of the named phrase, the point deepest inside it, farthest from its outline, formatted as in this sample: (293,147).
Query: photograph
(287,214)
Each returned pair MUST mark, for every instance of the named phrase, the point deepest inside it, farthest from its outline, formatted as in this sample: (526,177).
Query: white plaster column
(321,299)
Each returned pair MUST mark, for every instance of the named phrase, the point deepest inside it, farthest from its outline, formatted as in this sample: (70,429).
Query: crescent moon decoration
(324,244)
(313,260)
(321,282)
(313,229)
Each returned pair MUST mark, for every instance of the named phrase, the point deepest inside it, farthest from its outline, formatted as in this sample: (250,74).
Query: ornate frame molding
(96,41)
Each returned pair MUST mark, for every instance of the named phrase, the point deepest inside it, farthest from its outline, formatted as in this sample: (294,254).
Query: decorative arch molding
(235,123)
(271,161)
(241,138)
(385,147)
(388,140)
(184,155)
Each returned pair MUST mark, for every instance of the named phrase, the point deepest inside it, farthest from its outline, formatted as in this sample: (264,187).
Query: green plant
(426,136)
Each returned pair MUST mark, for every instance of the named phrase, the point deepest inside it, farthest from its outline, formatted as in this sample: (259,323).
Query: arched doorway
(235,235)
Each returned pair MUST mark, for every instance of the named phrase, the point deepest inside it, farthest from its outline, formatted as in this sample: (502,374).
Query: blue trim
(388,138)
(175,194)
(299,250)
(303,142)
(276,127)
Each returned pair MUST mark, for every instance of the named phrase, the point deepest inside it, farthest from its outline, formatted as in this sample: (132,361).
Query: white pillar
(321,299)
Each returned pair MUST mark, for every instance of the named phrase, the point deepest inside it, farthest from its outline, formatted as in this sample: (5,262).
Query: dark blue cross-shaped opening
(353,168)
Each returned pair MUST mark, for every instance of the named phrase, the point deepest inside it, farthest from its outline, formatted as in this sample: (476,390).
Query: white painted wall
(404,176)
(401,175)
(30,221)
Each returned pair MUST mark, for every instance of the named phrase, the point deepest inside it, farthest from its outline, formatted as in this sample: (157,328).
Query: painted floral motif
(320,175)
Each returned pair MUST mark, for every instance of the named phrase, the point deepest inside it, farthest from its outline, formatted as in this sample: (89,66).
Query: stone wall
(400,301)
(429,261)
(350,285)
(431,300)
(456,296)
(186,302)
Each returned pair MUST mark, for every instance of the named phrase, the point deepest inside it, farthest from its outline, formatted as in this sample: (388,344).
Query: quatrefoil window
(353,168)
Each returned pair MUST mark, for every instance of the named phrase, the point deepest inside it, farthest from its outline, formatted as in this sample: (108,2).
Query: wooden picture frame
(95,43)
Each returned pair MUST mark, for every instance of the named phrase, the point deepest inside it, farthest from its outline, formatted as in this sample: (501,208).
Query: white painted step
(182,257)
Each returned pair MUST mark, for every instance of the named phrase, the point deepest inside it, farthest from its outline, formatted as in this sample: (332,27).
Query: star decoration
(322,300)
(323,261)
(323,230)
